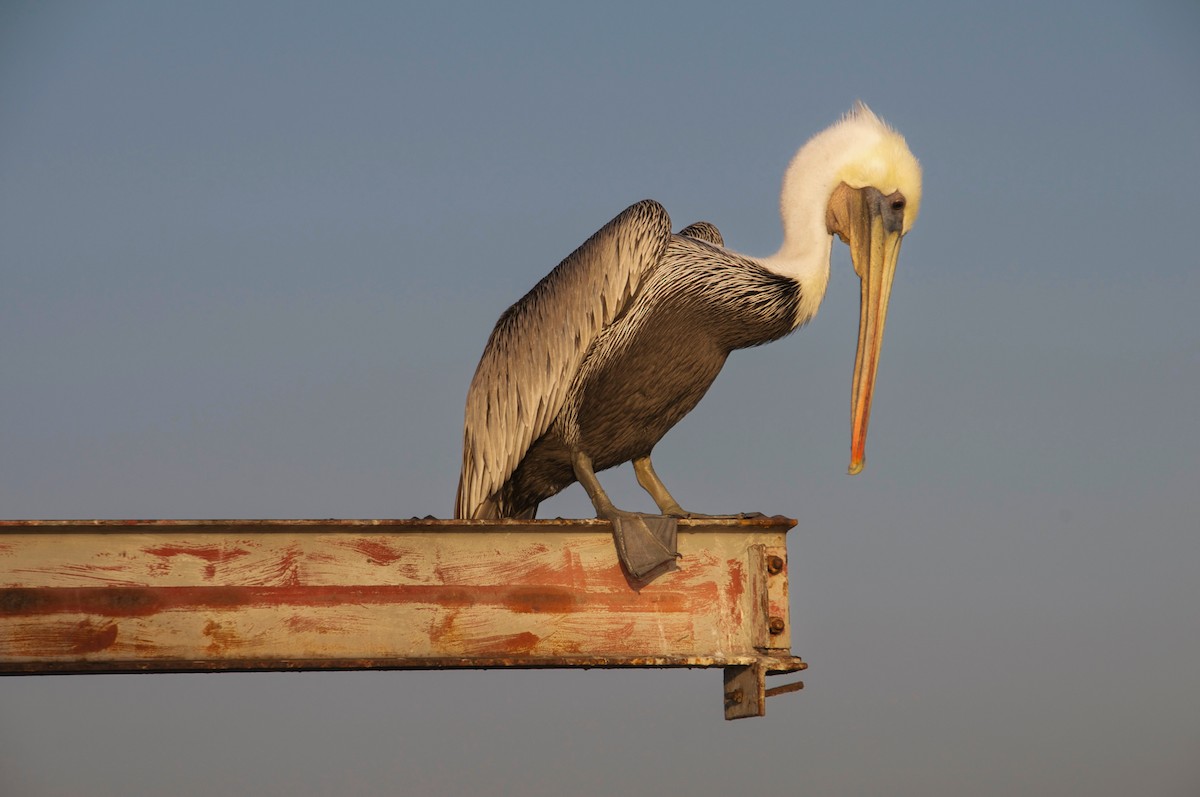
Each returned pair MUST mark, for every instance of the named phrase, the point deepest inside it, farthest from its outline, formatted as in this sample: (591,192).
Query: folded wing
(538,344)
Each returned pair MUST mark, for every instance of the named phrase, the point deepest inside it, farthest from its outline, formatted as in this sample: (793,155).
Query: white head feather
(859,150)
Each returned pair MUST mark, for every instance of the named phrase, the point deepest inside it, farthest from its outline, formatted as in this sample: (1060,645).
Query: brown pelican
(622,339)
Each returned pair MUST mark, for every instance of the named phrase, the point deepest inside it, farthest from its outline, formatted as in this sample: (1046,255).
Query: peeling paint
(121,596)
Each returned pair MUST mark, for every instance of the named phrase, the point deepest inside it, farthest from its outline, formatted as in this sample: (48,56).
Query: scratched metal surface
(178,595)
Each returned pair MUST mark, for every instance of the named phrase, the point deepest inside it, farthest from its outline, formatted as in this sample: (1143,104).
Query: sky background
(250,254)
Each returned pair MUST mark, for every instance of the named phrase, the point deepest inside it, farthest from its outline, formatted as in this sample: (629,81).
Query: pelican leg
(669,506)
(644,542)
(653,485)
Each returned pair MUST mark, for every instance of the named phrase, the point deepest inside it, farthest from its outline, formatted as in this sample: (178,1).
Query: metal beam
(88,596)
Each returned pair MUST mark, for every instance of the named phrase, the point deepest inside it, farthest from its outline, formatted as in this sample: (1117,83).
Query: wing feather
(538,344)
(704,231)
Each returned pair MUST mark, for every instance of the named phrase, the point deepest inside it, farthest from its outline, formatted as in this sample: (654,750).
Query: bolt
(774,565)
(776,625)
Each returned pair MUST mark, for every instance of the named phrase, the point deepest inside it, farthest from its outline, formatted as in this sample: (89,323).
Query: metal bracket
(768,574)
(746,690)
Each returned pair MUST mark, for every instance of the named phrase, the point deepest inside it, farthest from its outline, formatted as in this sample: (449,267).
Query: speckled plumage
(621,340)
(661,313)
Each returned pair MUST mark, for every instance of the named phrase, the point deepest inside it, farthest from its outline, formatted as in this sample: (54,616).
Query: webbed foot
(644,542)
(701,516)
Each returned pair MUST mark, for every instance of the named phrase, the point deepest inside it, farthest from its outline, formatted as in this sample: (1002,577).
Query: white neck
(809,266)
(804,255)
(809,182)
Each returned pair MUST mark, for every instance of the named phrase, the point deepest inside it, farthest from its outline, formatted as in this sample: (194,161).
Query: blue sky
(250,253)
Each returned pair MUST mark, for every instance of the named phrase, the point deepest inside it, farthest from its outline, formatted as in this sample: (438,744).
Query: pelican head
(867,185)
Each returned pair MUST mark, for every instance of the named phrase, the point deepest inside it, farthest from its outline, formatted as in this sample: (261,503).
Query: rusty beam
(88,596)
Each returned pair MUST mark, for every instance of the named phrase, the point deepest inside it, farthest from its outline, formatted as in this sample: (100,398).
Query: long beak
(874,247)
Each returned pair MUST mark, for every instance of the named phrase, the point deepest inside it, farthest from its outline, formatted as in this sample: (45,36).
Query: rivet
(776,625)
(774,565)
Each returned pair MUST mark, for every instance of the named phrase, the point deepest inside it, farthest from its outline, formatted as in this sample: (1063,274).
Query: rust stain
(18,601)
(442,627)
(542,599)
(777,592)
(399,524)
(124,601)
(503,644)
(774,664)
(60,639)
(572,567)
(112,601)
(90,638)
(115,601)
(500,595)
(302,624)
(735,588)
(221,637)
(143,601)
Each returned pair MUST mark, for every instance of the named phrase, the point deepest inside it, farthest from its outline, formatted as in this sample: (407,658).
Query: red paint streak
(443,628)
(220,637)
(213,554)
(58,639)
(737,579)
(776,522)
(302,625)
(377,551)
(143,601)
(87,638)
(505,644)
(532,564)
(777,596)
(404,561)
(287,571)
(543,600)
(736,587)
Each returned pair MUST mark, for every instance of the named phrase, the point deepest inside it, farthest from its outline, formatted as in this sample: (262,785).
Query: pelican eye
(898,204)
